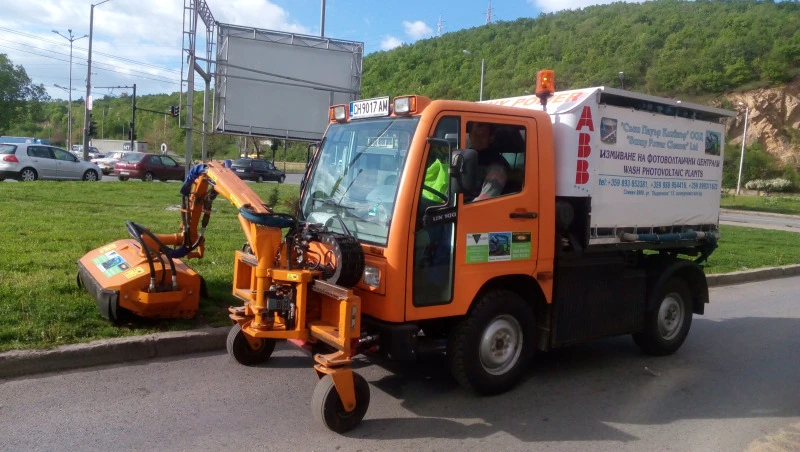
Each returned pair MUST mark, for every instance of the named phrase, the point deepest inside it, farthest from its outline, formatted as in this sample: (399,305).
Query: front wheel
(281,179)
(240,349)
(327,407)
(489,350)
(667,324)
(90,175)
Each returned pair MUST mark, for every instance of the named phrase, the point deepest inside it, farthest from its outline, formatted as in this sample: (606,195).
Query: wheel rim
(28,176)
(670,316)
(501,345)
(148,177)
(91,176)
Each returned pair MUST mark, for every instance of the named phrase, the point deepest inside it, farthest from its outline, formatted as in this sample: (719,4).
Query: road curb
(757,213)
(19,363)
(111,351)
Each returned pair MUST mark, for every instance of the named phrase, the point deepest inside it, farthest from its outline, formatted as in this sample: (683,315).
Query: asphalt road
(735,385)
(785,223)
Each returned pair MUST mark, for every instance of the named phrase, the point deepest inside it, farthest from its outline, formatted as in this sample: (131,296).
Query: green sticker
(110,263)
(477,248)
(520,246)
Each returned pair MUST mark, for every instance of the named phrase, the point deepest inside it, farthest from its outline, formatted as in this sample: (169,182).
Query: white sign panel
(654,170)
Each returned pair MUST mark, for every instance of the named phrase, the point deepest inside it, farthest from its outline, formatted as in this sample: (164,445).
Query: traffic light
(174,110)
(92,127)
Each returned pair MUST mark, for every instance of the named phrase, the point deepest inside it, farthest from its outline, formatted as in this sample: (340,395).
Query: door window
(434,240)
(501,157)
(64,155)
(41,152)
(167,161)
(155,160)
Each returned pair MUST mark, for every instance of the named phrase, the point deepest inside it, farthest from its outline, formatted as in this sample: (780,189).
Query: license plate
(239,170)
(369,108)
(124,173)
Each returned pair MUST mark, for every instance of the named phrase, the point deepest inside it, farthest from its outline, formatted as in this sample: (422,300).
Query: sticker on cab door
(498,246)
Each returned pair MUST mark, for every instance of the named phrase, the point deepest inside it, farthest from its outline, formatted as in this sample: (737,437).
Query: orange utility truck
(609,203)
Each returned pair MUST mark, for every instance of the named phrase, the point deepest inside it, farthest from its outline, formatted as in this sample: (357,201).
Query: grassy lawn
(45,227)
(776,203)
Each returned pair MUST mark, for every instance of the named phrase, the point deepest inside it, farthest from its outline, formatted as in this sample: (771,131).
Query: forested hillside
(674,48)
(663,47)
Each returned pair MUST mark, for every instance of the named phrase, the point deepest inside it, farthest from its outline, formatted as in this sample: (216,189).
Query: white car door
(69,167)
(43,161)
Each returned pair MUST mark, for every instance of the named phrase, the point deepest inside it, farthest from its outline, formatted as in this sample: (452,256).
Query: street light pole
(86,103)
(483,70)
(71,39)
(744,141)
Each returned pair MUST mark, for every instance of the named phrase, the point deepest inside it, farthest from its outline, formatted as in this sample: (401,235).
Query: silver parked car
(31,161)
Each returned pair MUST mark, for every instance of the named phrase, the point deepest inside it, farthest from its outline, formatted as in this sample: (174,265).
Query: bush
(775,185)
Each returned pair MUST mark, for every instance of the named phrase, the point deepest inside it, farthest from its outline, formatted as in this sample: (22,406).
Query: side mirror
(464,171)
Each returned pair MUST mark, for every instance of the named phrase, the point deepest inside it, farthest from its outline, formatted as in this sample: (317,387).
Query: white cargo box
(645,161)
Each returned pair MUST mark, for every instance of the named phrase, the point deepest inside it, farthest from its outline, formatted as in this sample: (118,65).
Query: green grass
(775,203)
(45,227)
(749,248)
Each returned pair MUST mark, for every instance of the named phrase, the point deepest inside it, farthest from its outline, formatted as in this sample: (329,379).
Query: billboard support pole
(322,21)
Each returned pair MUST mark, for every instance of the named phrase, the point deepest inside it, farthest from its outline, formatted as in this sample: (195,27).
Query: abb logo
(584,146)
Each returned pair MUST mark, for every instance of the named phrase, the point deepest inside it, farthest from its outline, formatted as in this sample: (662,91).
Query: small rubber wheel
(327,407)
(668,323)
(240,350)
(148,177)
(260,179)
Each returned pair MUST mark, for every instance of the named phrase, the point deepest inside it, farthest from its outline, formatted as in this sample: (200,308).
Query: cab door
(487,238)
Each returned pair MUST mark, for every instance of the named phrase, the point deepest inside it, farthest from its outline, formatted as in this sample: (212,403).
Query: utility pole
(133,119)
(88,99)
(71,39)
(322,21)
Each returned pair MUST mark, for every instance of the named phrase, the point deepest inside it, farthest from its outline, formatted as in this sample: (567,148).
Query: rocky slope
(774,120)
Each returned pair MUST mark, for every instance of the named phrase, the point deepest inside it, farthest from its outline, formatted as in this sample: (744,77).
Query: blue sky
(140,41)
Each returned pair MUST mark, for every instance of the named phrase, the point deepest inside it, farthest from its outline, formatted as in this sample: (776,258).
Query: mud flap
(107,300)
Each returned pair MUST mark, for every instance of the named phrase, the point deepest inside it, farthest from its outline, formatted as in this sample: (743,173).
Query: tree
(20,99)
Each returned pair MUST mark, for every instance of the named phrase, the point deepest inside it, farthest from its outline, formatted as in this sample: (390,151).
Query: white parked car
(106,163)
(31,161)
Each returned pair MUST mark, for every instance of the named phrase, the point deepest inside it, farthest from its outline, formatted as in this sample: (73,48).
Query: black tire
(90,175)
(667,323)
(123,179)
(240,350)
(148,177)
(28,175)
(490,349)
(349,258)
(281,179)
(327,408)
(260,179)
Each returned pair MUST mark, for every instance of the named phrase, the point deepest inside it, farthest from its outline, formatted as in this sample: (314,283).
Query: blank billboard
(277,84)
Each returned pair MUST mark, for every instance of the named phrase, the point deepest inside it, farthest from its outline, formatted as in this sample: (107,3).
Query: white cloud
(550,7)
(390,42)
(417,30)
(148,31)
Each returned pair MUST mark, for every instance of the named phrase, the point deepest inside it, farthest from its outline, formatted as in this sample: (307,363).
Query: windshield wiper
(331,202)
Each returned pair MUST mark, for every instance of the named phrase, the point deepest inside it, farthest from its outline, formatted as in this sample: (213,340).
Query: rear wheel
(489,350)
(148,177)
(90,175)
(668,323)
(240,349)
(28,175)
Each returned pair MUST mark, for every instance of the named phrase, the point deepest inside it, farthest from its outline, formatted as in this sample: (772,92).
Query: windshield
(353,185)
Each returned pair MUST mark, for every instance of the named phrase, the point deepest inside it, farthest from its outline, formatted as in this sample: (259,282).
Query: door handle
(523,215)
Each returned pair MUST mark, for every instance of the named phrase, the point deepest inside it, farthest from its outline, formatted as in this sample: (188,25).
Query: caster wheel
(240,349)
(328,409)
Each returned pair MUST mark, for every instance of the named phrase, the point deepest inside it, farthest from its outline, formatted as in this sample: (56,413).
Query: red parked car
(148,167)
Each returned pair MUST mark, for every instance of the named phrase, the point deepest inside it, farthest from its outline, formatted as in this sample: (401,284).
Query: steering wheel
(441,195)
